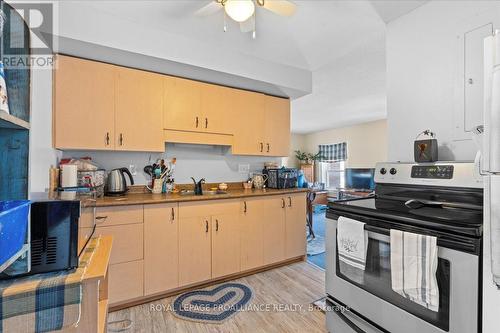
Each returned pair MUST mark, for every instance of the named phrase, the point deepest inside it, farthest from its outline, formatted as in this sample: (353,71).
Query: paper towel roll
(69,176)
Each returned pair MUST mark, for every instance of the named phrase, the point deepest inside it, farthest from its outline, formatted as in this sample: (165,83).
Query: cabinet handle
(173,214)
(282,203)
(121,139)
(289,202)
(197,122)
(244,206)
(107,138)
(261,147)
(216,225)
(206,122)
(206,226)
(99,218)
(268,147)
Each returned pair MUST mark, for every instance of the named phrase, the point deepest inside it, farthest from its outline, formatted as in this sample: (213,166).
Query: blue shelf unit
(14,128)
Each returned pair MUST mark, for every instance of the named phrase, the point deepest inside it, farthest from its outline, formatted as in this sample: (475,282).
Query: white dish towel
(352,241)
(414,261)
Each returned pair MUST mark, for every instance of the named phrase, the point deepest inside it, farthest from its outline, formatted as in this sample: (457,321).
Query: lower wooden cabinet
(225,244)
(195,263)
(274,230)
(295,225)
(158,248)
(251,233)
(125,282)
(161,251)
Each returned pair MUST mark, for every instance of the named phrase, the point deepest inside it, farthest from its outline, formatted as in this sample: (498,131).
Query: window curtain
(333,153)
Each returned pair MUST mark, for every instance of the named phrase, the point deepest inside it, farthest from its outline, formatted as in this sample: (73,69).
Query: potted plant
(307,158)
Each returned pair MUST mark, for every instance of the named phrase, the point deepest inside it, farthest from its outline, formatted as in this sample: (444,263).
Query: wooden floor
(289,286)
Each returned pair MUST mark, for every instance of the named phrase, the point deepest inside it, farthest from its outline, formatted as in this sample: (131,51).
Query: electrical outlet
(132,169)
(243,168)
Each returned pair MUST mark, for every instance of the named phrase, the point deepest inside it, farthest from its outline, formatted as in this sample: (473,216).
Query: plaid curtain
(333,153)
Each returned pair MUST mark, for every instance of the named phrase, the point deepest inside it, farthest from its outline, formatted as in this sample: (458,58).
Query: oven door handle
(419,203)
(343,317)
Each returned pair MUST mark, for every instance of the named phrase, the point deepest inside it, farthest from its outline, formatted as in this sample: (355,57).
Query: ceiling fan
(243,11)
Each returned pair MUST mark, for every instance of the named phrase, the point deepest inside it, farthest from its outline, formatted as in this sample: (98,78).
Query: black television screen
(359,179)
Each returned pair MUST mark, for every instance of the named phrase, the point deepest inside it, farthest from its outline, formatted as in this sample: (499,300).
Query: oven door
(369,293)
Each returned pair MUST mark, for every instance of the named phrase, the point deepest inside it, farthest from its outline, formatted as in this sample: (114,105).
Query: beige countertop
(148,198)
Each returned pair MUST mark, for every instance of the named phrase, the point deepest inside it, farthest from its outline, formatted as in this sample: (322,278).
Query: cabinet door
(195,264)
(295,225)
(139,108)
(274,230)
(277,126)
(218,116)
(182,110)
(84,104)
(225,245)
(161,256)
(251,224)
(249,126)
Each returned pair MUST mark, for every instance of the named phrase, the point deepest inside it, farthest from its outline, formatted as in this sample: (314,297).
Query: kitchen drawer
(112,215)
(125,281)
(208,208)
(119,215)
(127,242)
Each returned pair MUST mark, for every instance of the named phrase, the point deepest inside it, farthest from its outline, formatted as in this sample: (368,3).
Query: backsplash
(214,163)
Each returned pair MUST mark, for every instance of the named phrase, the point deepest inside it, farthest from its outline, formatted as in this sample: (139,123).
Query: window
(332,174)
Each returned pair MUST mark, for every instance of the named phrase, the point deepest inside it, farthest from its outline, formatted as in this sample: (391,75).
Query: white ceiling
(341,42)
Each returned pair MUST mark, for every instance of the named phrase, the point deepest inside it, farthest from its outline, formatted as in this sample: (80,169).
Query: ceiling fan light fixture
(239,10)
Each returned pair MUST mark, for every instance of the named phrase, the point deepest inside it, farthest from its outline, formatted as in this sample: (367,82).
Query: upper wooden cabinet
(263,124)
(197,107)
(139,109)
(104,107)
(99,106)
(250,123)
(182,106)
(277,126)
(84,104)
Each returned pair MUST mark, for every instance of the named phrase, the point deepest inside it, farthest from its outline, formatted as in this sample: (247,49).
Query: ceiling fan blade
(248,25)
(280,7)
(208,9)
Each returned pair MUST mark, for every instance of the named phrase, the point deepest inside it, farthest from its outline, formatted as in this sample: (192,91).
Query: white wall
(214,163)
(366,143)
(422,72)
(422,68)
(42,156)
(297,142)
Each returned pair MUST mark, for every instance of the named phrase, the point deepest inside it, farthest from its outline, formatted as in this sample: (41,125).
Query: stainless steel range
(444,200)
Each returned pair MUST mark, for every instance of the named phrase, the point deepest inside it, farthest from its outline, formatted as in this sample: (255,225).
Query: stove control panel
(449,174)
(432,171)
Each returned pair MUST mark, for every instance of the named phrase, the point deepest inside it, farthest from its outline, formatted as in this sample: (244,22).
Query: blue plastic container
(14,220)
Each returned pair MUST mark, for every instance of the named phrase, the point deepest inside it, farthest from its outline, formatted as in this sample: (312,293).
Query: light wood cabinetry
(251,224)
(274,230)
(105,107)
(195,263)
(125,281)
(161,252)
(295,225)
(277,126)
(139,111)
(99,106)
(225,244)
(182,107)
(125,225)
(84,104)
(159,248)
(250,123)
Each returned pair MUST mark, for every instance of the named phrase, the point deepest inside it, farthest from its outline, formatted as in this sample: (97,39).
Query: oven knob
(383,171)
(393,171)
